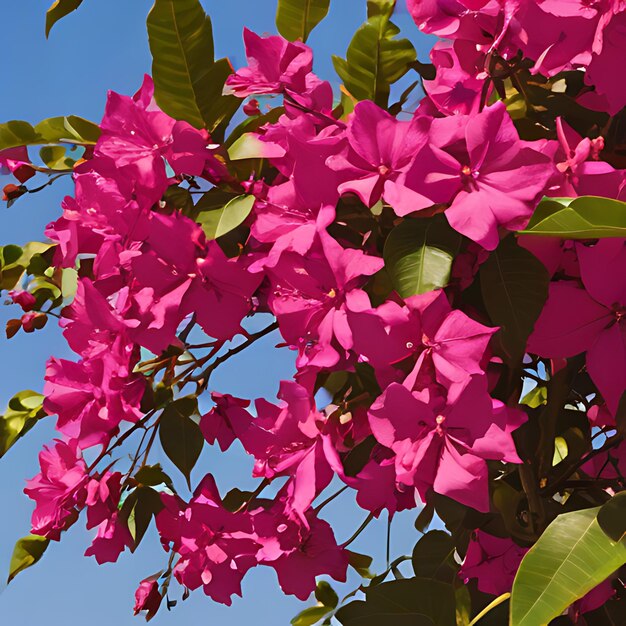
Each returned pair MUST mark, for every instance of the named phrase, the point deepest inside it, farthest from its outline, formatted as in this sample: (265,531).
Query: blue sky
(104,46)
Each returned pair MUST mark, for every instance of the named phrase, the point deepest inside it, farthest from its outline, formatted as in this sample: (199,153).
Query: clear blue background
(104,46)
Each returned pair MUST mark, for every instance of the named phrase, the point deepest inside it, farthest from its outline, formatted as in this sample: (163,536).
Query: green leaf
(58,10)
(587,217)
(218,222)
(180,436)
(23,412)
(431,553)
(612,517)
(375,59)
(310,616)
(535,397)
(187,82)
(55,157)
(325,594)
(514,286)
(17,133)
(406,602)
(361,563)
(152,476)
(560,451)
(571,557)
(295,19)
(419,253)
(138,510)
(68,129)
(27,552)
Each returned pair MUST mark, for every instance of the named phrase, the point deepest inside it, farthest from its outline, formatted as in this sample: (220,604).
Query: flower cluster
(424,403)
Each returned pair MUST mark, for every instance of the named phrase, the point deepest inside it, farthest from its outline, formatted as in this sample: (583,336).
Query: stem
(359,530)
(535,505)
(330,499)
(388,539)
(204,376)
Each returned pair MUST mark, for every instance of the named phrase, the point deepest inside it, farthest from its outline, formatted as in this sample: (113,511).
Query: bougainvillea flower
(226,420)
(148,598)
(112,538)
(103,497)
(274,65)
(591,319)
(17,162)
(434,440)
(380,147)
(59,490)
(216,547)
(298,550)
(310,295)
(480,166)
(492,561)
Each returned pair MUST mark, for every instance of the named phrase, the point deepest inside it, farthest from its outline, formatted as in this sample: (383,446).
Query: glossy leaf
(419,253)
(310,616)
(587,217)
(28,550)
(514,286)
(180,436)
(411,601)
(431,553)
(187,82)
(23,412)
(375,59)
(218,222)
(295,19)
(68,129)
(612,517)
(58,10)
(571,557)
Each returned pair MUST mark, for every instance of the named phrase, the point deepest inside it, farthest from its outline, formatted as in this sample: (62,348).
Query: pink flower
(274,65)
(443,444)
(492,561)
(103,498)
(24,299)
(479,165)
(589,319)
(112,538)
(380,147)
(148,598)
(59,490)
(225,422)
(310,297)
(17,162)
(216,547)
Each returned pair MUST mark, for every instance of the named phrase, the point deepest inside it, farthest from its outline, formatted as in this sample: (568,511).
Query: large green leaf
(431,554)
(612,517)
(218,222)
(58,10)
(571,557)
(18,133)
(295,19)
(180,436)
(419,253)
(69,129)
(514,285)
(406,602)
(375,59)
(187,82)
(24,411)
(587,217)
(28,550)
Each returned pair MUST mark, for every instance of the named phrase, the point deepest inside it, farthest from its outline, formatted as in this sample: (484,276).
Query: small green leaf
(55,157)
(68,129)
(419,253)
(612,517)
(27,552)
(180,436)
(218,222)
(361,563)
(560,451)
(17,133)
(58,10)
(514,286)
(23,412)
(310,616)
(571,557)
(138,510)
(152,476)
(295,19)
(535,397)
(586,217)
(325,594)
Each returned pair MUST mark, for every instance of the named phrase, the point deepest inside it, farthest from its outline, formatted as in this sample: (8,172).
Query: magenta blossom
(112,538)
(480,166)
(17,162)
(59,490)
(148,598)
(274,65)
(380,147)
(591,318)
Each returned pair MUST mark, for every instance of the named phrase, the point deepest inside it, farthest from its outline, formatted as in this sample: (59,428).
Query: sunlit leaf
(58,10)
(27,552)
(612,517)
(295,19)
(218,222)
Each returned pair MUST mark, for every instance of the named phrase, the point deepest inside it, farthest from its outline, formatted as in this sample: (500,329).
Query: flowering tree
(451,279)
